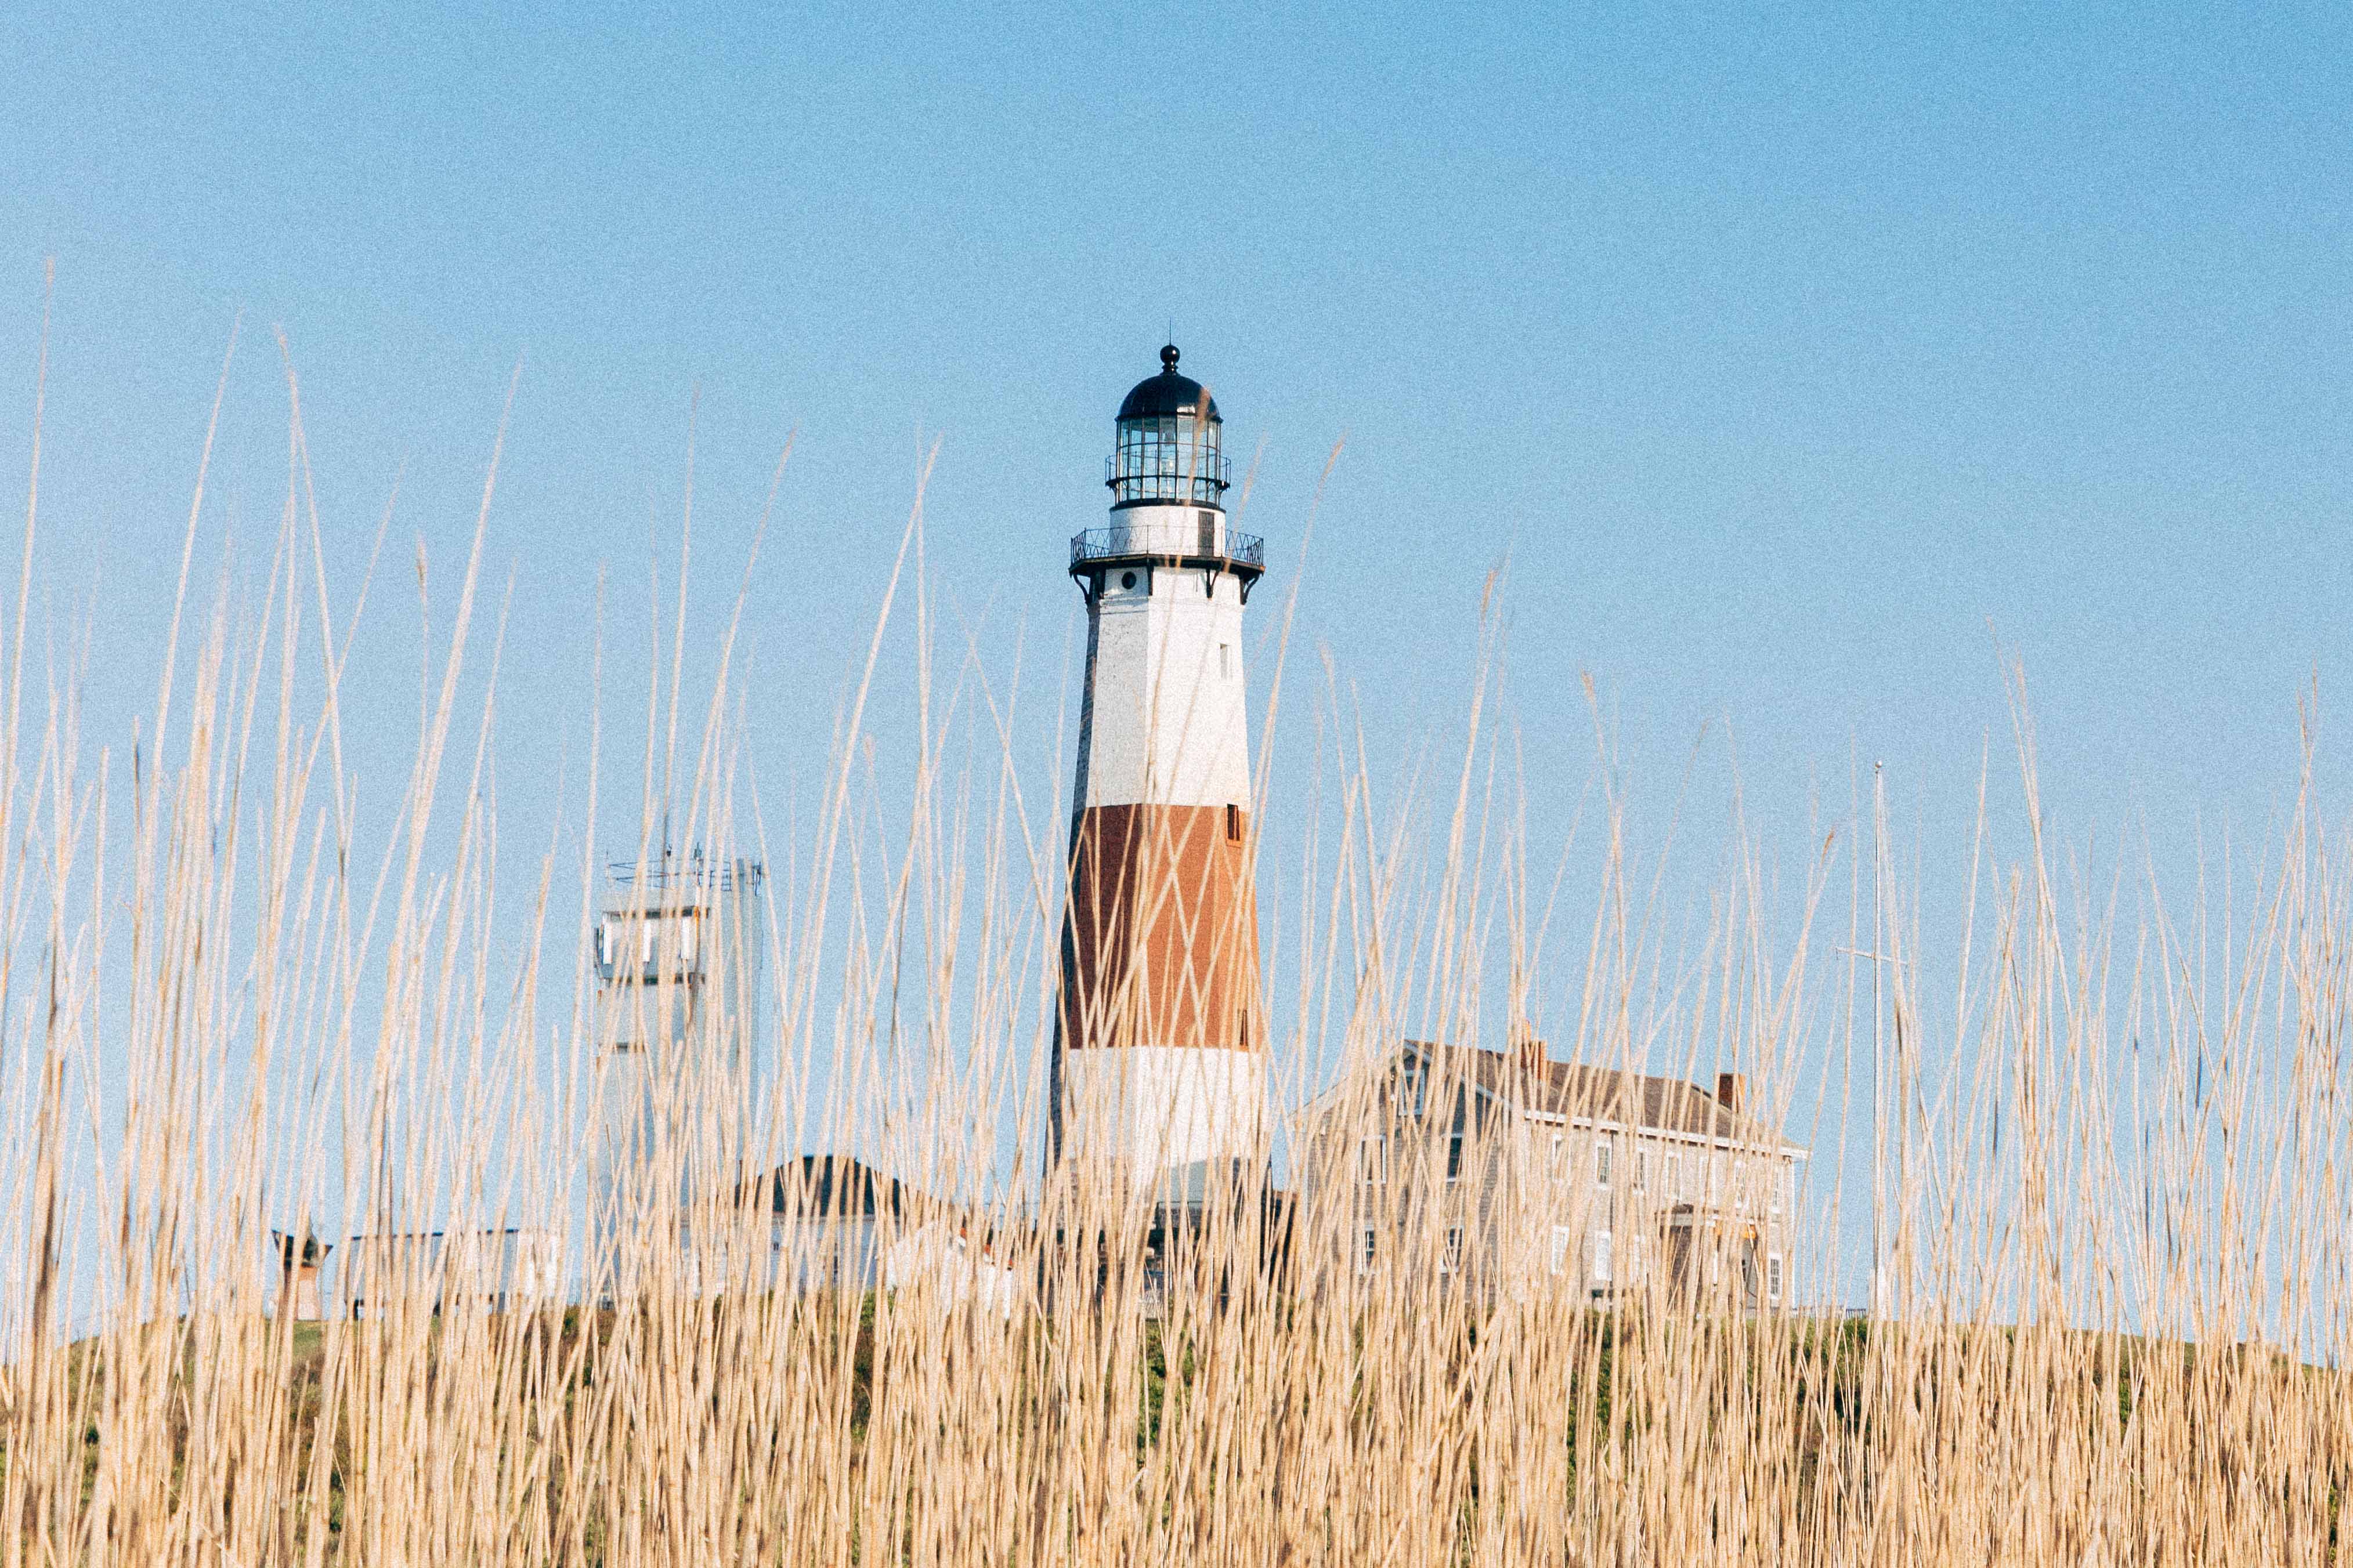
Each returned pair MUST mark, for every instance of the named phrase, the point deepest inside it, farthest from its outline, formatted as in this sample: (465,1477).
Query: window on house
(1233,823)
(1373,1161)
(1454,1156)
(1452,1258)
(1560,1154)
(1410,1083)
(1641,1168)
(1601,1255)
(1675,1176)
(1600,1160)
(1365,1254)
(1562,1238)
(1773,1277)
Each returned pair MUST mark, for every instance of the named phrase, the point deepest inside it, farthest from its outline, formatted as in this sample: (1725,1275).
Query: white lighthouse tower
(1159,1059)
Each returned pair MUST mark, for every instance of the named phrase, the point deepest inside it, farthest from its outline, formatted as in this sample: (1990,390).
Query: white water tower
(677,951)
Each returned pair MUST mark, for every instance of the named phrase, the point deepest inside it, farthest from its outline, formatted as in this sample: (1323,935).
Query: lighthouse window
(1225,661)
(1127,579)
(1233,824)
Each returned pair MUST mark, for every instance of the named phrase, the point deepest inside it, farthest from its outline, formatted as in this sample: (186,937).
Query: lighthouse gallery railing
(1170,540)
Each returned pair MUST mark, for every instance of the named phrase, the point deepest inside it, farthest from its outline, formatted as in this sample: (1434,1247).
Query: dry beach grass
(2070,1366)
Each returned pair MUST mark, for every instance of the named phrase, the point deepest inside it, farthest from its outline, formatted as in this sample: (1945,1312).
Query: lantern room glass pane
(1171,458)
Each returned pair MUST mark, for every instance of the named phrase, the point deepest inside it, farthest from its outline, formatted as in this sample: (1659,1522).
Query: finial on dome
(1168,358)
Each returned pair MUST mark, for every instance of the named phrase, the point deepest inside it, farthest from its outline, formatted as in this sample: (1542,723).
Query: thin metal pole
(1878,1067)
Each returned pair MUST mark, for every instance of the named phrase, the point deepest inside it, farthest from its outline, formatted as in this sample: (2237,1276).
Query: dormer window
(1412,1081)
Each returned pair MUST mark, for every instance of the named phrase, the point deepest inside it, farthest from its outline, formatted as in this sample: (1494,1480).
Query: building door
(1679,1260)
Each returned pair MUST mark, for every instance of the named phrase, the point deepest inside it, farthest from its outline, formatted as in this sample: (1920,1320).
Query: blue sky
(1793,357)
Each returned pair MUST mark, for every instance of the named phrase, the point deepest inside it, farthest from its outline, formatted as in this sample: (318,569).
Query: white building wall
(825,1252)
(1170,721)
(496,1270)
(934,1258)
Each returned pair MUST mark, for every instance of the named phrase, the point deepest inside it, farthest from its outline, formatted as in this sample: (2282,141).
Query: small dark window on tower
(1127,579)
(1233,824)
(1241,1030)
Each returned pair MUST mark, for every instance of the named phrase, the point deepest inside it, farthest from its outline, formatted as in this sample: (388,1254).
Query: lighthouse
(1159,1064)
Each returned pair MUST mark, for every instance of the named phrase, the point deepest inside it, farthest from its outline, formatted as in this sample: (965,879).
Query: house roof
(1608,1094)
(306,1249)
(839,1186)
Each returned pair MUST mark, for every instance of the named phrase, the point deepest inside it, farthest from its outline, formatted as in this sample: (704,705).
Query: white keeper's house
(1493,1168)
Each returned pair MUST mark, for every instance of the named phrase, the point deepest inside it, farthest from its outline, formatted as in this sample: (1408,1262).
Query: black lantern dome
(1167,454)
(1168,393)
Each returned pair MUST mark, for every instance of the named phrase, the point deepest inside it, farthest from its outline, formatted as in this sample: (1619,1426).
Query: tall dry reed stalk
(2070,1365)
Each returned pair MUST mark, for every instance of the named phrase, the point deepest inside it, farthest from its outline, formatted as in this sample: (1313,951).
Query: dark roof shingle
(837,1187)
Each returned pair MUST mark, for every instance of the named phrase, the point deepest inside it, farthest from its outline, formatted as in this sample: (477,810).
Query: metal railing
(1166,539)
(674,869)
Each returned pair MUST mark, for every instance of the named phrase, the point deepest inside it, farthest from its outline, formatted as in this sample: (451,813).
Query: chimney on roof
(1528,1049)
(1731,1092)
